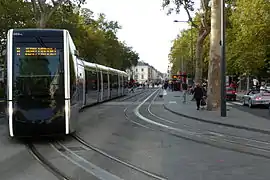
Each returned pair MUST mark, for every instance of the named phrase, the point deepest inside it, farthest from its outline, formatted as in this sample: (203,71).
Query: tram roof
(37,29)
(102,67)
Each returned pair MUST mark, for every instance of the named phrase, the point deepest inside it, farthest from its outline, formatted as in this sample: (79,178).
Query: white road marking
(215,134)
(234,103)
(172,102)
(149,110)
(138,114)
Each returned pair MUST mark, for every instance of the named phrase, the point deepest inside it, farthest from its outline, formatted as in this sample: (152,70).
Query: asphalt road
(260,111)
(125,141)
(161,153)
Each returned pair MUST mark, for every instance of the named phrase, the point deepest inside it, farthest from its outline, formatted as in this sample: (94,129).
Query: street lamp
(192,58)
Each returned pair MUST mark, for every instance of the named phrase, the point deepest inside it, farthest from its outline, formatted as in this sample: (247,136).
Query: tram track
(116,159)
(82,163)
(60,147)
(46,163)
(83,142)
(216,139)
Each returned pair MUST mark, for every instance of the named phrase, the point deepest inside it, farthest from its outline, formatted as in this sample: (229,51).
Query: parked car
(255,97)
(267,86)
(230,94)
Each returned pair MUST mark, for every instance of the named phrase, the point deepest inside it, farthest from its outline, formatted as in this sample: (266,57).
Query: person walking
(198,95)
(184,88)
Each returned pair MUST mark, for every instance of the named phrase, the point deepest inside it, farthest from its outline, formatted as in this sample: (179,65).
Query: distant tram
(47,83)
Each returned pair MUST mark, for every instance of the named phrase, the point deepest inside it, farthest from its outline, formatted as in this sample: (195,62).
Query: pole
(192,59)
(223,108)
(248,83)
(182,64)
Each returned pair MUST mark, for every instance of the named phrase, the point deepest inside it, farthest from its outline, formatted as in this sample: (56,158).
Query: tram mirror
(76,52)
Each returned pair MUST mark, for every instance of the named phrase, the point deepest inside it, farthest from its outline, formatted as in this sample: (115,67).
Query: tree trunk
(199,54)
(42,21)
(42,12)
(213,92)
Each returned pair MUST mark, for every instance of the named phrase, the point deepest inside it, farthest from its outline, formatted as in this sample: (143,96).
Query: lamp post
(223,109)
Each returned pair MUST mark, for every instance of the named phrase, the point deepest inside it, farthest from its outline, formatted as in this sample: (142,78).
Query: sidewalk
(173,102)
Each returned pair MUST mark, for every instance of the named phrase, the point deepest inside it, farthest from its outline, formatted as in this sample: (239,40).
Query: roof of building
(142,63)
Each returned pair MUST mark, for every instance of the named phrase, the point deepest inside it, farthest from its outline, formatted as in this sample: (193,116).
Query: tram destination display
(36,51)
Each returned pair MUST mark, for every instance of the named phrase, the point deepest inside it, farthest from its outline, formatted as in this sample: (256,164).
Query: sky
(145,26)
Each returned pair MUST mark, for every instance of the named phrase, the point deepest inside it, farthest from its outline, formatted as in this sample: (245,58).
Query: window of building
(136,70)
(142,69)
(142,77)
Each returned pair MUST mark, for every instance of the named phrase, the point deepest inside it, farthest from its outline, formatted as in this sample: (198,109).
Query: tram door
(105,85)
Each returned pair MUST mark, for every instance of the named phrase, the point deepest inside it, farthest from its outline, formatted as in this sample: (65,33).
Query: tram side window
(111,80)
(91,80)
(72,75)
(86,81)
(125,82)
(115,81)
(105,80)
(94,80)
(122,81)
(99,80)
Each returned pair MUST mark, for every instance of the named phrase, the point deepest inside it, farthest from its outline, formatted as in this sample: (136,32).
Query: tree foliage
(201,22)
(175,5)
(189,39)
(181,51)
(43,10)
(247,39)
(95,38)
(14,14)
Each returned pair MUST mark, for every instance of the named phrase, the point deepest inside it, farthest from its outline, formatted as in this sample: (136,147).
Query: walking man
(198,95)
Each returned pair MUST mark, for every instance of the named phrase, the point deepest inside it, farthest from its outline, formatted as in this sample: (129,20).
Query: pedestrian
(198,95)
(184,88)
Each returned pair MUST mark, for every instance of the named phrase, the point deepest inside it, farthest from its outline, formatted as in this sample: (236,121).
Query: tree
(8,19)
(43,11)
(203,28)
(180,55)
(203,32)
(101,44)
(96,39)
(213,90)
(249,37)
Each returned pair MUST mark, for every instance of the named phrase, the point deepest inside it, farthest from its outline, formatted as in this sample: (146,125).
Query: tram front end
(35,83)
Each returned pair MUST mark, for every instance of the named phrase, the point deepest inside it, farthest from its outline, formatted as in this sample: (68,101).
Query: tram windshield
(38,67)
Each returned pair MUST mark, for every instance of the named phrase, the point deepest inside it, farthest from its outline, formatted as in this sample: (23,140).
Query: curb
(218,123)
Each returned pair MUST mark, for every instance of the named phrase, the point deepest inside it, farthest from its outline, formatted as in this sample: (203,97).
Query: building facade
(144,72)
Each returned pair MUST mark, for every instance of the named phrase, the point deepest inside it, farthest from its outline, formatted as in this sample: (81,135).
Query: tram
(47,83)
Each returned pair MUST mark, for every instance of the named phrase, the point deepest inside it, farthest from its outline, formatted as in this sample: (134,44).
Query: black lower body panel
(55,127)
